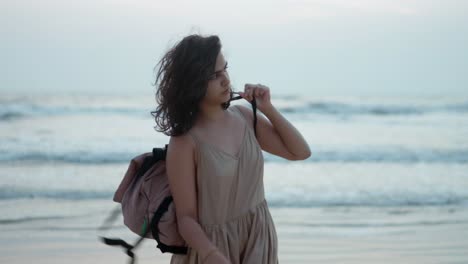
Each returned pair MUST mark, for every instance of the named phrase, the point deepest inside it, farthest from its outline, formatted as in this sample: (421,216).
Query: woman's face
(219,84)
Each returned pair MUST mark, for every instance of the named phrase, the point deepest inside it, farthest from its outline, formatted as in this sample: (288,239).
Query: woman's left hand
(261,93)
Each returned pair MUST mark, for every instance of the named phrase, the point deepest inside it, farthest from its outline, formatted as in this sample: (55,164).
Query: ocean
(382,170)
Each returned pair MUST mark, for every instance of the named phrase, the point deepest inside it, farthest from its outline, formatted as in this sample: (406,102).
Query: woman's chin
(226,95)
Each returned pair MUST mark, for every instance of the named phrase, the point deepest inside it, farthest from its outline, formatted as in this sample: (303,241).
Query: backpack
(147,204)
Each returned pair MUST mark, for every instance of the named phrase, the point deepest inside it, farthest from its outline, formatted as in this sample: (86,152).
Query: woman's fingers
(258,92)
(248,92)
(251,90)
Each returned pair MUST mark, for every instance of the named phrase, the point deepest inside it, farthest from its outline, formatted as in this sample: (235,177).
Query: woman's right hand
(216,258)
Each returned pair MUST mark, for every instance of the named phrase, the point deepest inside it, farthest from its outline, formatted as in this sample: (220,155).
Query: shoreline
(305,235)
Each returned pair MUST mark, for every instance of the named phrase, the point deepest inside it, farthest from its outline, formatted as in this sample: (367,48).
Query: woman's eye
(225,70)
(216,75)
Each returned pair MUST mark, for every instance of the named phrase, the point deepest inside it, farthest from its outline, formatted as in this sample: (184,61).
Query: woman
(214,160)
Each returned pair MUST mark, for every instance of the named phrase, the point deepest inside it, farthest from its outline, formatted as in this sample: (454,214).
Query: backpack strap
(163,208)
(159,154)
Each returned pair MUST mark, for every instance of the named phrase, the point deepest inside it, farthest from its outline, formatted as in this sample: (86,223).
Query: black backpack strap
(159,154)
(122,243)
(163,208)
(117,241)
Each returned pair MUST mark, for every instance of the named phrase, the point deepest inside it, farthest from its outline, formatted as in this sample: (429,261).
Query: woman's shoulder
(182,142)
(182,148)
(246,113)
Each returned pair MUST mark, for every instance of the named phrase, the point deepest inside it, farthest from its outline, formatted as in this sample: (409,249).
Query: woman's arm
(180,166)
(276,134)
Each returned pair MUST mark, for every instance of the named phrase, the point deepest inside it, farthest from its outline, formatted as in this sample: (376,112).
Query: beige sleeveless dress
(232,209)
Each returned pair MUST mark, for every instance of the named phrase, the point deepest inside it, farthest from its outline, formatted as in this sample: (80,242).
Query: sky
(296,47)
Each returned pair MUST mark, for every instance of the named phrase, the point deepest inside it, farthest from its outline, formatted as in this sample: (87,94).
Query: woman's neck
(212,113)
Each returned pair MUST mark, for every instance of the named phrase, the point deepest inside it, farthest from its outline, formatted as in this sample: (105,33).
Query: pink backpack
(147,205)
(146,202)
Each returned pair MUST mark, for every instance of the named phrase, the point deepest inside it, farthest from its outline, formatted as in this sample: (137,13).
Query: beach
(432,234)
(387,181)
(378,90)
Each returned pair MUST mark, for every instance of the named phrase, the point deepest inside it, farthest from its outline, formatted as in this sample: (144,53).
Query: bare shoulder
(246,112)
(181,149)
(181,143)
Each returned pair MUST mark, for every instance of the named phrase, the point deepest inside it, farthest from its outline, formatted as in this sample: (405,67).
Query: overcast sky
(322,47)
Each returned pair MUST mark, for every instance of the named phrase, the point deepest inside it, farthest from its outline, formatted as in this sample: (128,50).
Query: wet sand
(436,234)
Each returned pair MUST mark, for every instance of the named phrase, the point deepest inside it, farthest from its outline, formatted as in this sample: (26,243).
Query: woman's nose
(226,79)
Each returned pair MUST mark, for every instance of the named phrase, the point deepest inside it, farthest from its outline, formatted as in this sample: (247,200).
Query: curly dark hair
(183,80)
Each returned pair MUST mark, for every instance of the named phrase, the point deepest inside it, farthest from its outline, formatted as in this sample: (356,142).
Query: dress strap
(197,143)
(194,137)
